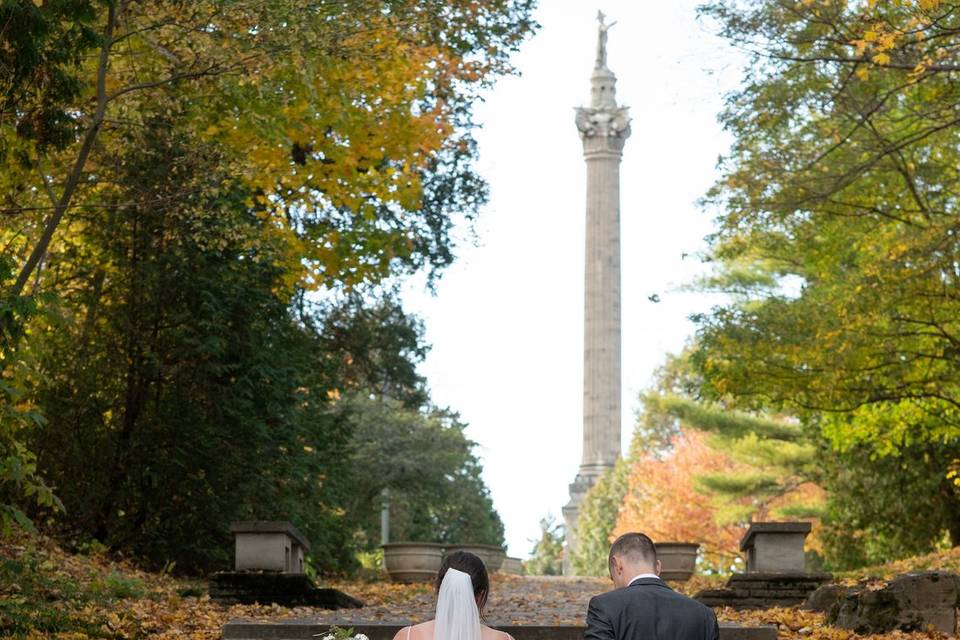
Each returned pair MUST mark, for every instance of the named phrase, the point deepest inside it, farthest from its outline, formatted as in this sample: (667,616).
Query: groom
(642,606)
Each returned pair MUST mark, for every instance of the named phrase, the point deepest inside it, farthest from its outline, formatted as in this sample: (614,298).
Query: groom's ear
(615,567)
(658,568)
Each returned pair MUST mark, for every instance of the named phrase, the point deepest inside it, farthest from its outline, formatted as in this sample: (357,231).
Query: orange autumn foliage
(662,499)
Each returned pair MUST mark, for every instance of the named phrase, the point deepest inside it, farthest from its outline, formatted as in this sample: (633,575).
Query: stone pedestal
(285,589)
(270,569)
(268,545)
(775,574)
(775,546)
(571,516)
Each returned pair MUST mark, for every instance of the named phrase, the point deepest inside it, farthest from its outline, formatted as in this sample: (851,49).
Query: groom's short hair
(634,546)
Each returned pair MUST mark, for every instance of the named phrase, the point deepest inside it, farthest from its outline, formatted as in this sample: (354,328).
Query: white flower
(360,636)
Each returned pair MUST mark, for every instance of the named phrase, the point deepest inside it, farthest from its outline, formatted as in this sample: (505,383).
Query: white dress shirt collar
(643,575)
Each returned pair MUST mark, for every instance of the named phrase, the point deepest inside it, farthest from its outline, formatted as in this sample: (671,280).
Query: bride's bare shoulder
(416,632)
(489,633)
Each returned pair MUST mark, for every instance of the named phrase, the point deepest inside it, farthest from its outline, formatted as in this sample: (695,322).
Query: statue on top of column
(602,40)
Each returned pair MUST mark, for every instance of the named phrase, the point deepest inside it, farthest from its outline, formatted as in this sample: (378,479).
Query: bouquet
(336,633)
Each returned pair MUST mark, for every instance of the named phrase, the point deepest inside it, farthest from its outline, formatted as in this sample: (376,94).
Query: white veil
(457,615)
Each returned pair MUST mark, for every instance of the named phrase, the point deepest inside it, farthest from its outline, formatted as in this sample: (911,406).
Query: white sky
(506,323)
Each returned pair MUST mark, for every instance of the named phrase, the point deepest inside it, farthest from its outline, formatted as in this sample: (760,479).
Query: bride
(462,589)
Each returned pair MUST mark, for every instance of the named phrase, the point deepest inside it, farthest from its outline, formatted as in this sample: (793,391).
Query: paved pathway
(513,600)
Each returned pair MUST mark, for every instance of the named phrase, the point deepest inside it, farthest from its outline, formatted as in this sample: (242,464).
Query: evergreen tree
(774,456)
(425,460)
(546,559)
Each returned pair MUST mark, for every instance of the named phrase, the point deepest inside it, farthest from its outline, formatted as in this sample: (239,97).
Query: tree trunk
(77,171)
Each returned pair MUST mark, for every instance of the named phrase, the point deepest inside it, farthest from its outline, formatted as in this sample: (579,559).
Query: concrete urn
(492,555)
(412,561)
(678,560)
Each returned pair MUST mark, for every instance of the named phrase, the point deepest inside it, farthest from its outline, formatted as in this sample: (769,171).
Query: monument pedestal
(571,515)
(764,590)
(269,568)
(285,589)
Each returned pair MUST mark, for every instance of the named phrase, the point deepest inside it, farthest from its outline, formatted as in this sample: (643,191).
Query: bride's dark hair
(473,567)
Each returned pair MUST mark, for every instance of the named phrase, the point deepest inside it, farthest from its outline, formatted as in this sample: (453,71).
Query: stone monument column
(604,127)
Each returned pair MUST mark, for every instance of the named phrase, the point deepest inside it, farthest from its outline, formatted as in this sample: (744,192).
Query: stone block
(262,545)
(775,546)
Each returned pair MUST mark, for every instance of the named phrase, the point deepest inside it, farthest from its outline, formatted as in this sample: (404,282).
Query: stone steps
(764,590)
(309,629)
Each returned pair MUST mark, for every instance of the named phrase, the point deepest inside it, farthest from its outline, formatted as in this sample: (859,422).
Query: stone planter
(677,560)
(492,555)
(412,561)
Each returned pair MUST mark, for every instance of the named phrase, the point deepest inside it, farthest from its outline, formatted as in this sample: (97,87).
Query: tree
(177,180)
(186,392)
(837,227)
(19,481)
(546,559)
(776,454)
(425,460)
(664,501)
(599,512)
(775,459)
(180,393)
(883,508)
(372,344)
(349,122)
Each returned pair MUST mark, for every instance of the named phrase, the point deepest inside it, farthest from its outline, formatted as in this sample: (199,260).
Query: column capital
(603,130)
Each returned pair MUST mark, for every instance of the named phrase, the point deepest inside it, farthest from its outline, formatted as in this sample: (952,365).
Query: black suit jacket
(649,610)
